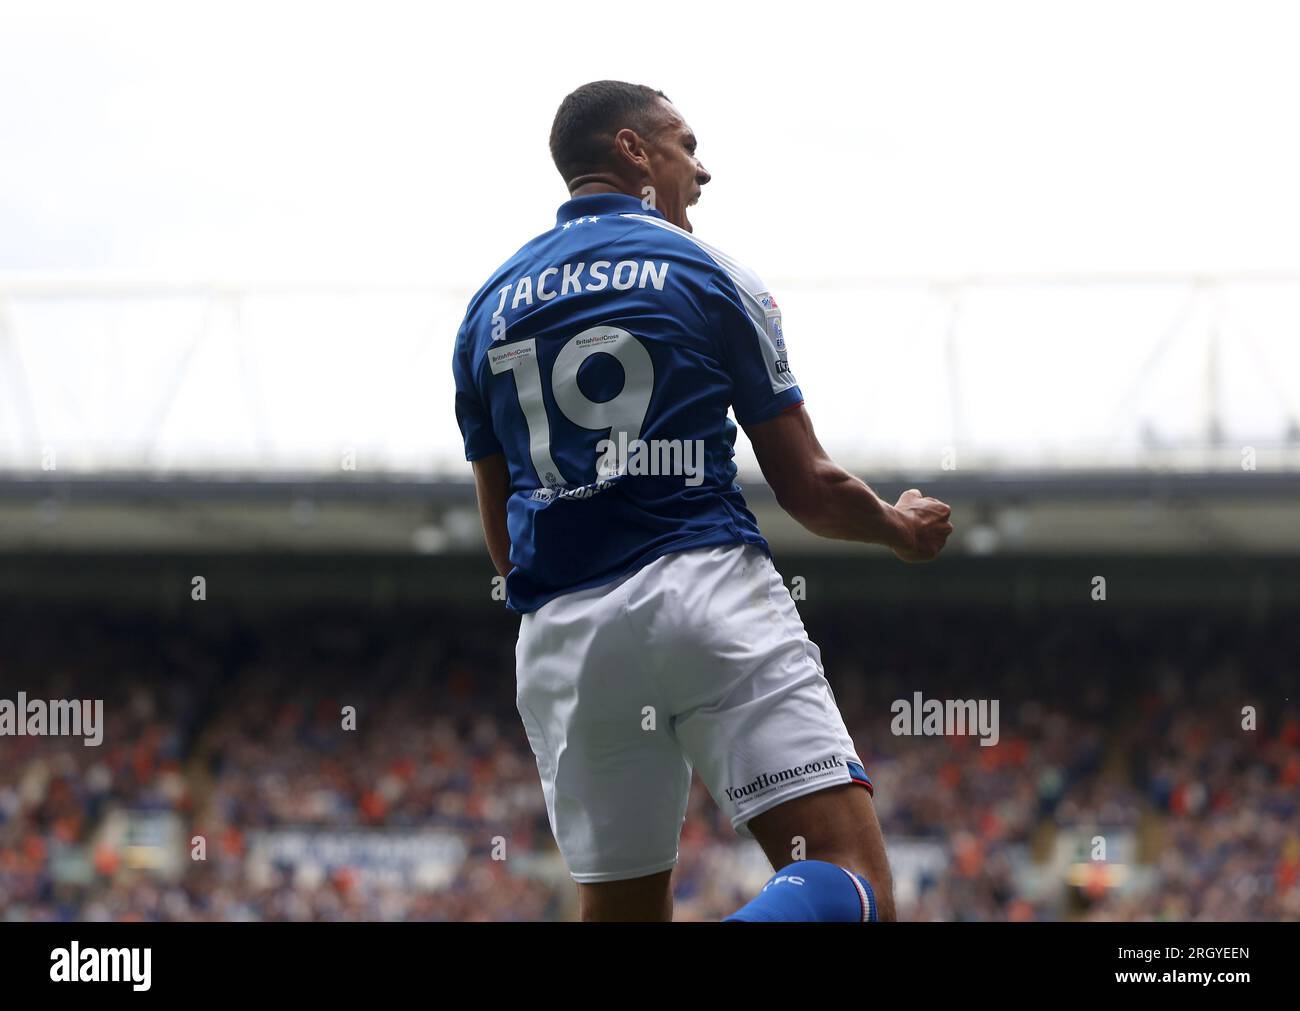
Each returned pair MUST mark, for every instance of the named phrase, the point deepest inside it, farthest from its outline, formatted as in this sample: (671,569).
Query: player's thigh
(838,825)
(616,788)
(762,729)
(646,899)
(754,712)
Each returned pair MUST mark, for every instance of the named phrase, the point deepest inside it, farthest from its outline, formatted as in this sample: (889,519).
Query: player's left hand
(925,525)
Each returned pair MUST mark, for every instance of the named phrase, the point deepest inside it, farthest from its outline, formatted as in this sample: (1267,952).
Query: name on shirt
(574,278)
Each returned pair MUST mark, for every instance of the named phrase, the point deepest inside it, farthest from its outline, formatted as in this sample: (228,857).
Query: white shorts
(698,659)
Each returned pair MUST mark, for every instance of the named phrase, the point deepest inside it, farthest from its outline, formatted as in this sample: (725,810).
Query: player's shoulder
(740,274)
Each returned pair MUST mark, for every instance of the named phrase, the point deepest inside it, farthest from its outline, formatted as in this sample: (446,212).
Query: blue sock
(811,891)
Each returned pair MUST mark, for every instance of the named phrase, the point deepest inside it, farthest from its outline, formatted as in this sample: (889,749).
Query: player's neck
(589,185)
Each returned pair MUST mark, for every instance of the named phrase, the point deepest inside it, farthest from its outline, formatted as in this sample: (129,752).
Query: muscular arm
(830,502)
(492,484)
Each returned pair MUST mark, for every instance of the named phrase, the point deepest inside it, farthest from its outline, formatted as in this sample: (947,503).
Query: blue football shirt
(602,360)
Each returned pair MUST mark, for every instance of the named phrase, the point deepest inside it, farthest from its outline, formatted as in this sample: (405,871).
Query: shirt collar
(601,203)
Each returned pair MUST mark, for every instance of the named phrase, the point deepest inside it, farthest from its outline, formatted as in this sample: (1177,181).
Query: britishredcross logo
(765,780)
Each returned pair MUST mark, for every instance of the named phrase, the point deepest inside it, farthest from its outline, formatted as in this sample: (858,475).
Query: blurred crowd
(1174,732)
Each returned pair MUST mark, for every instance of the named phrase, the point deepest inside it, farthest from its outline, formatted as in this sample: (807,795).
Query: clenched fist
(924,526)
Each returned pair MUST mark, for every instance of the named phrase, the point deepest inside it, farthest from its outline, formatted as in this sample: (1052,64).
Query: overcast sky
(371,139)
(382,141)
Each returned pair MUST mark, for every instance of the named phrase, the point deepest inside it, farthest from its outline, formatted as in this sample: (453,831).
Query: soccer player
(594,372)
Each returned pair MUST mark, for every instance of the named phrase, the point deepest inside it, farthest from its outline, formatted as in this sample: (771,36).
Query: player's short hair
(588,118)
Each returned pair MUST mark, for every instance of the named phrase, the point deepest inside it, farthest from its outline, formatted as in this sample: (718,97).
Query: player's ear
(630,149)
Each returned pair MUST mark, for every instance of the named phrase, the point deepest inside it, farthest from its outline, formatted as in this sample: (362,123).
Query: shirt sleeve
(471,413)
(753,349)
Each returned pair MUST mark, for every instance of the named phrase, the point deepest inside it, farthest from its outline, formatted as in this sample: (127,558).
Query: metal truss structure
(112,375)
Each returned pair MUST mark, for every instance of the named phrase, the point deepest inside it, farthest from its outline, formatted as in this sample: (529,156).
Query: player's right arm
(830,502)
(492,487)
(485,453)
